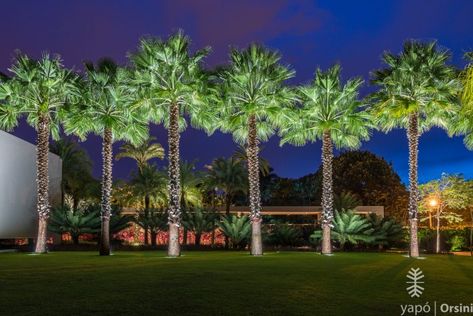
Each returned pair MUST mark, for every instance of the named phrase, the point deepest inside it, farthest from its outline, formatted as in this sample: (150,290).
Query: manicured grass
(224,283)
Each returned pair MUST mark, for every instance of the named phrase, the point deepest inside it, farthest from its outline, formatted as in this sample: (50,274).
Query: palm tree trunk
(252,152)
(42,180)
(174,212)
(471,233)
(413,139)
(153,238)
(197,239)
(437,244)
(106,191)
(228,202)
(146,241)
(327,192)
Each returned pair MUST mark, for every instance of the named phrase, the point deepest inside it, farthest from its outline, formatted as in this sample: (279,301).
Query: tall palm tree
(464,121)
(332,113)
(39,91)
(141,153)
(149,185)
(107,110)
(254,99)
(171,84)
(230,176)
(417,91)
(75,162)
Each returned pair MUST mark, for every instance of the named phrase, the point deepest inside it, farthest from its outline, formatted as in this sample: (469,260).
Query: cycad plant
(237,229)
(172,84)
(154,220)
(199,221)
(39,91)
(74,222)
(417,91)
(387,229)
(254,103)
(107,109)
(330,112)
(349,227)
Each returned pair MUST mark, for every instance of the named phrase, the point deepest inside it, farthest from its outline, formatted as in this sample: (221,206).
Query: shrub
(237,229)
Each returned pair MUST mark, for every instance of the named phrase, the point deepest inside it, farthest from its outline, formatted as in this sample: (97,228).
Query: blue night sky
(309,34)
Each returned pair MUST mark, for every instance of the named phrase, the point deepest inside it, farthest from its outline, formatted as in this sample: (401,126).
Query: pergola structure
(301,210)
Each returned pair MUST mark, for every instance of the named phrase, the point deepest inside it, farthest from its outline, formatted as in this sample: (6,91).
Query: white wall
(18,217)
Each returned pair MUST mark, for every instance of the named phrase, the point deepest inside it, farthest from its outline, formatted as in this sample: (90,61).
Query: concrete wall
(18,217)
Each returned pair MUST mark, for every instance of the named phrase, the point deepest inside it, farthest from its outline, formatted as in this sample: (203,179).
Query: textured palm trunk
(252,151)
(413,139)
(327,193)
(147,202)
(42,181)
(174,212)
(227,213)
(197,239)
(437,243)
(153,238)
(107,154)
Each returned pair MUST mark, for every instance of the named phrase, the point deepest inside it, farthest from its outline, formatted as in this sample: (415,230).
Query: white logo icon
(415,277)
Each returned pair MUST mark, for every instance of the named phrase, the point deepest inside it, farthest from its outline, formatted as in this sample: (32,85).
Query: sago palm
(417,91)
(330,112)
(254,102)
(230,176)
(141,153)
(38,91)
(172,84)
(107,109)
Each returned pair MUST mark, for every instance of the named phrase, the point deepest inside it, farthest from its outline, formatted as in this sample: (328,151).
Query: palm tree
(417,91)
(464,121)
(254,99)
(141,153)
(171,83)
(76,166)
(332,113)
(39,91)
(240,155)
(107,110)
(199,221)
(149,185)
(230,176)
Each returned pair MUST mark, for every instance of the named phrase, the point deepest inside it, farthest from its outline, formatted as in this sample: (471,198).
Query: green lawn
(224,283)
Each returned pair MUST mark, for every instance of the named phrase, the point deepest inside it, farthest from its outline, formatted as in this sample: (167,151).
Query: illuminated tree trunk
(252,152)
(413,139)
(107,154)
(327,192)
(471,232)
(174,212)
(437,244)
(42,181)
(147,202)
(228,202)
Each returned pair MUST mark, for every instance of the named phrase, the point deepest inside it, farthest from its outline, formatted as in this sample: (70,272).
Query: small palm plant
(171,83)
(332,113)
(387,229)
(418,91)
(74,222)
(107,109)
(349,227)
(153,220)
(141,153)
(39,90)
(199,221)
(254,102)
(237,228)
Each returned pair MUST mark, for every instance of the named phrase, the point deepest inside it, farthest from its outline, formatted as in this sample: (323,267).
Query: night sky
(308,34)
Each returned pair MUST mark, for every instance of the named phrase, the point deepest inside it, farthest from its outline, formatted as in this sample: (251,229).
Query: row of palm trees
(167,84)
